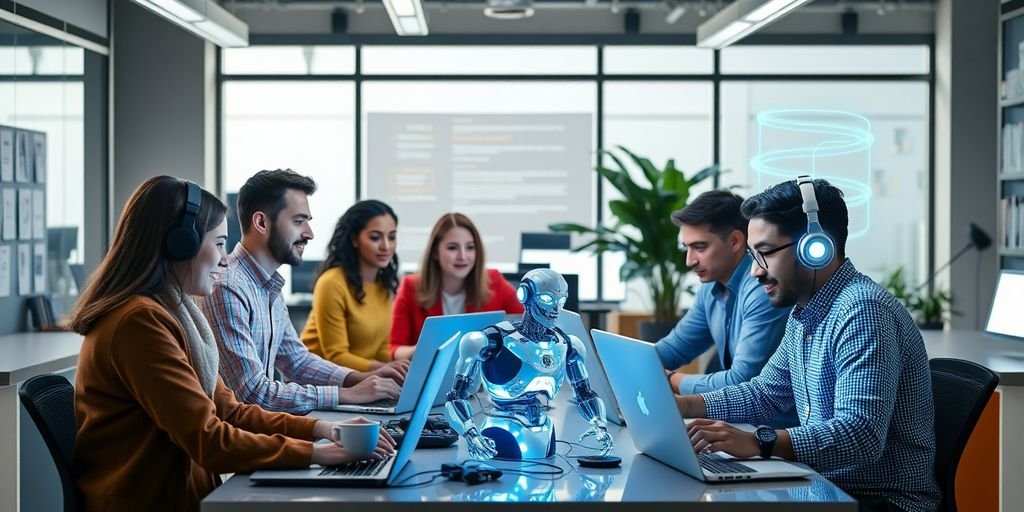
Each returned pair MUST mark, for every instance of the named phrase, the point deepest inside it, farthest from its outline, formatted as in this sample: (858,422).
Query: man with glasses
(852,362)
(731,311)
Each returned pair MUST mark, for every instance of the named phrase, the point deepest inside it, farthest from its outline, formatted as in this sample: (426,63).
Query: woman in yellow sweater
(350,321)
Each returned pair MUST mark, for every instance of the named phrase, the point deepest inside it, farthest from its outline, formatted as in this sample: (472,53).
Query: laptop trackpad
(782,468)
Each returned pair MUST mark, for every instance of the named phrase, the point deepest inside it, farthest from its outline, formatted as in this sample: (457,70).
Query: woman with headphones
(351,313)
(156,425)
(452,280)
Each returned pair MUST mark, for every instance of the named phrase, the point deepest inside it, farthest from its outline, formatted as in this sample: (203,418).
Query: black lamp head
(979,238)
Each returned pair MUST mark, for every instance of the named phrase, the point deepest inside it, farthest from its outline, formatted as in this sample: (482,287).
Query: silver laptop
(1005,319)
(650,480)
(571,323)
(436,329)
(638,381)
(374,473)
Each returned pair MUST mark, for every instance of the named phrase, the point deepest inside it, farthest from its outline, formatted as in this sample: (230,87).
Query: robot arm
(474,348)
(590,405)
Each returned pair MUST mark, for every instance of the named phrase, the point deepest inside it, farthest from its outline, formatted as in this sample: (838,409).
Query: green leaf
(705,173)
(650,172)
(644,211)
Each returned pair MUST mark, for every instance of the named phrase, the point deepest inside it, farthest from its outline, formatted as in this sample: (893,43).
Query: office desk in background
(991,472)
(23,356)
(642,483)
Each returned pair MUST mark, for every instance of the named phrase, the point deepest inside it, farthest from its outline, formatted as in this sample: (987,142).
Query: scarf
(202,347)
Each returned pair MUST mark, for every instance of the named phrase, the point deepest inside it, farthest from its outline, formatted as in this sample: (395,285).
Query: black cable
(402,483)
(977,294)
(573,445)
(557,470)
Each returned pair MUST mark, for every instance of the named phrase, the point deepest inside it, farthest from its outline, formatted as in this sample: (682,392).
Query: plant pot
(652,331)
(931,326)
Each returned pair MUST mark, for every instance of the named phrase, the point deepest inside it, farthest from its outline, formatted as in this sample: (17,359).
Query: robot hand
(602,436)
(480,447)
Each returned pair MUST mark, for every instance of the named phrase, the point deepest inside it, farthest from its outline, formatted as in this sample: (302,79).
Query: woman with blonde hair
(156,425)
(452,279)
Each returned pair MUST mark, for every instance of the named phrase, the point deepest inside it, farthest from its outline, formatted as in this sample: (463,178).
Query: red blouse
(407,316)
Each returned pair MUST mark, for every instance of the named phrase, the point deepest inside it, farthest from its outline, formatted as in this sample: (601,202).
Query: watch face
(766,435)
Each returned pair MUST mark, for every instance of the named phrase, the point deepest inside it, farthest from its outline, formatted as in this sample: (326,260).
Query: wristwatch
(766,437)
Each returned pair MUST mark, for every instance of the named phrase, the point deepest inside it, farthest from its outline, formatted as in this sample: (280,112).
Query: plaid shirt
(255,336)
(853,363)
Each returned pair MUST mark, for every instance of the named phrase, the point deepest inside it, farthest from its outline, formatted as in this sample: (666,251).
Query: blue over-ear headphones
(815,249)
(182,241)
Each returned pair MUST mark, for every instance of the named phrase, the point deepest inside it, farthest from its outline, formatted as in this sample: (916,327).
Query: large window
(43,91)
(514,157)
(496,130)
(305,126)
(890,229)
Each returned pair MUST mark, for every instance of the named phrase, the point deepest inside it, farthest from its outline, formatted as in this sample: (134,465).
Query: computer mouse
(599,461)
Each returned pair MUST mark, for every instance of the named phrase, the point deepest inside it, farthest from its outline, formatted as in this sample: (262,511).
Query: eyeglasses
(759,256)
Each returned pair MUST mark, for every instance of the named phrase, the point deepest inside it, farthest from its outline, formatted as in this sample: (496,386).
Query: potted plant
(644,232)
(930,310)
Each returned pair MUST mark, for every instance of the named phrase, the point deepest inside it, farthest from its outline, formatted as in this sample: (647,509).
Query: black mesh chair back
(961,389)
(50,402)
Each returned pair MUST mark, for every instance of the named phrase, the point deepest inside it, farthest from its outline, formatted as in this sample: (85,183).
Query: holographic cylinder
(827,144)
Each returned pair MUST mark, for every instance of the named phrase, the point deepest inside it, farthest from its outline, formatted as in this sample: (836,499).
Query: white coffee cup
(358,436)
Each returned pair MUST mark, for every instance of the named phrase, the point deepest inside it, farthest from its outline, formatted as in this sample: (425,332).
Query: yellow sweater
(342,330)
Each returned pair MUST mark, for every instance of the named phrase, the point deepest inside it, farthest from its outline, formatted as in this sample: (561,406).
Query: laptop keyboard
(715,464)
(384,402)
(358,468)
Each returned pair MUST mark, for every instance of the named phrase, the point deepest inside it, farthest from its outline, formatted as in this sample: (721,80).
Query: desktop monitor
(573,280)
(304,275)
(234,227)
(526,267)
(60,241)
(544,241)
(1005,317)
(554,251)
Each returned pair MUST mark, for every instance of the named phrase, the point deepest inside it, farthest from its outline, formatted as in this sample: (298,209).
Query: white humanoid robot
(520,363)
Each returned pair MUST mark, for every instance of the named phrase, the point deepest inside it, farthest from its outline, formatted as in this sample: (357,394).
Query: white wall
(163,86)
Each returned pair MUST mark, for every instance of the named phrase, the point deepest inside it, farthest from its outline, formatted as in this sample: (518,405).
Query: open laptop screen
(1005,317)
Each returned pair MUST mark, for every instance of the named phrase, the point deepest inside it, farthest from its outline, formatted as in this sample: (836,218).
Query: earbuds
(472,473)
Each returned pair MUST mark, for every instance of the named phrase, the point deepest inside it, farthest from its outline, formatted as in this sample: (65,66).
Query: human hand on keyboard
(395,370)
(373,387)
(718,436)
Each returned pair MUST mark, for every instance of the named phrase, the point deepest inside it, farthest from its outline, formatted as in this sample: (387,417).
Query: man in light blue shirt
(731,311)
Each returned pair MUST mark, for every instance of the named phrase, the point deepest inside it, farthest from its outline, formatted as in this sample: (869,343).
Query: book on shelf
(1012,150)
(1012,222)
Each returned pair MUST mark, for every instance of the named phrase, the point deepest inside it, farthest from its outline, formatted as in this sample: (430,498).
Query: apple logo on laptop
(642,403)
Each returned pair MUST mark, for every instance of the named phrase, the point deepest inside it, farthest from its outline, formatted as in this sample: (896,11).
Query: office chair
(50,401)
(961,389)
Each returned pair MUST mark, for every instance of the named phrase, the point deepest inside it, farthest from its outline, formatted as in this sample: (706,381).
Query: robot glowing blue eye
(546,298)
(561,302)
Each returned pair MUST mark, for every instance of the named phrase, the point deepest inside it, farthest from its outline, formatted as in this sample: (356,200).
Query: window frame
(716,78)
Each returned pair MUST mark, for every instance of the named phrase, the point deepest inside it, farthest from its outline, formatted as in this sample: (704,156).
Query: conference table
(641,483)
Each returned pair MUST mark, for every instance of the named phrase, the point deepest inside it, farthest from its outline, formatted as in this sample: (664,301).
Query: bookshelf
(1010,185)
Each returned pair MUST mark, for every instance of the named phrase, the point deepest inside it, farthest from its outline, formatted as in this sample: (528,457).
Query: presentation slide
(510,173)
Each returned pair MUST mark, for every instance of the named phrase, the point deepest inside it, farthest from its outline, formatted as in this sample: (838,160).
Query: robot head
(543,293)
